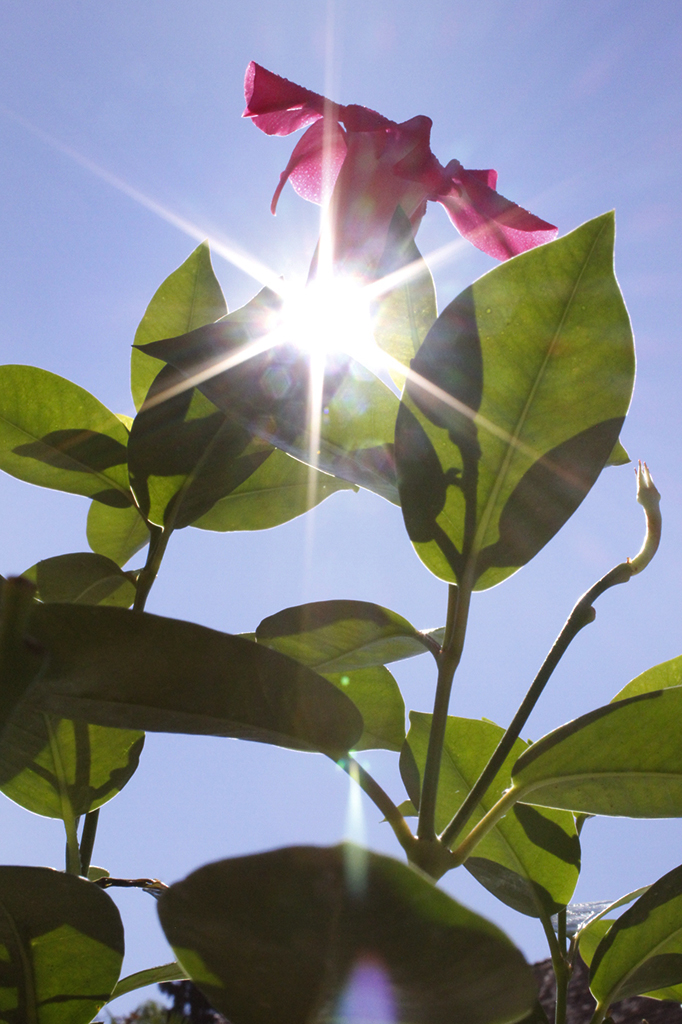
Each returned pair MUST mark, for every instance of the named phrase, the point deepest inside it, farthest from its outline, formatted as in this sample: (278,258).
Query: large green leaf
(528,376)
(55,434)
(63,769)
(117,533)
(117,668)
(190,297)
(81,578)
(660,677)
(531,859)
(623,759)
(61,947)
(642,951)
(336,636)
(263,384)
(377,697)
(404,314)
(280,489)
(301,934)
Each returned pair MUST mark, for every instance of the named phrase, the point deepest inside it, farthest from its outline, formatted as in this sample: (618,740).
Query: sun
(329,316)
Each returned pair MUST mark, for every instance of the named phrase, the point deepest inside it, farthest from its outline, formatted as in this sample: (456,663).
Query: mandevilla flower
(370,166)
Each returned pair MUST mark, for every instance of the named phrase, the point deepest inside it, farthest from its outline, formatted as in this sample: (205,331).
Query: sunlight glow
(330,315)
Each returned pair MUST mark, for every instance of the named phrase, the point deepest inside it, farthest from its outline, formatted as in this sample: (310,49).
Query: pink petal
(278,106)
(488,220)
(315,162)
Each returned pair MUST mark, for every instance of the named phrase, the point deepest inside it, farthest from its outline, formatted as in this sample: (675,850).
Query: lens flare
(368,997)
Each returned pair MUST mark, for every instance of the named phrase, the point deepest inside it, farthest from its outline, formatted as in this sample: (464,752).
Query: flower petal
(315,162)
(278,106)
(488,220)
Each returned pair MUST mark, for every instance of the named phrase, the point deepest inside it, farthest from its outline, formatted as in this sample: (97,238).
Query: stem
(145,582)
(487,822)
(88,840)
(371,787)
(459,599)
(583,613)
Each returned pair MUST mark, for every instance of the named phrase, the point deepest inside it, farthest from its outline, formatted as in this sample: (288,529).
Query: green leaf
(619,456)
(55,434)
(337,636)
(404,315)
(377,697)
(150,976)
(624,759)
(81,578)
(531,859)
(189,298)
(642,950)
(592,931)
(117,533)
(280,489)
(264,386)
(61,946)
(298,934)
(532,367)
(195,680)
(68,769)
(660,677)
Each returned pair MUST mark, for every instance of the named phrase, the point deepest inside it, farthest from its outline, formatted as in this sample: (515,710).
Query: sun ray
(226,250)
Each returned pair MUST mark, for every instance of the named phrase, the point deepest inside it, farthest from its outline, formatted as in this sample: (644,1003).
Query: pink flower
(370,165)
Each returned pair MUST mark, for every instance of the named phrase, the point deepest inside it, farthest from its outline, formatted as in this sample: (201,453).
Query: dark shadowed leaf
(528,377)
(531,859)
(81,578)
(642,951)
(195,680)
(263,384)
(117,533)
(63,769)
(336,636)
(660,677)
(190,297)
(377,697)
(55,434)
(299,934)
(405,313)
(623,759)
(61,940)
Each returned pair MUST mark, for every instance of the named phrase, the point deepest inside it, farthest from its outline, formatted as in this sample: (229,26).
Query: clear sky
(577,106)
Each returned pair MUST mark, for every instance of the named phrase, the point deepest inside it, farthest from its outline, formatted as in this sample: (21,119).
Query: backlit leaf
(335,636)
(528,376)
(195,680)
(622,759)
(377,697)
(117,533)
(190,297)
(61,946)
(660,677)
(531,859)
(55,434)
(81,578)
(307,933)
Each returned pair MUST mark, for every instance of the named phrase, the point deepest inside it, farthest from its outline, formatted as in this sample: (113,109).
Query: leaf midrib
(514,437)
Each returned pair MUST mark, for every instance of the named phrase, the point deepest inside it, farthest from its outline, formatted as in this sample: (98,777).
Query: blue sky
(578,108)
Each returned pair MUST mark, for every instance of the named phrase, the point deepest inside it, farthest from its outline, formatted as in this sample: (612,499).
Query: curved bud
(649,499)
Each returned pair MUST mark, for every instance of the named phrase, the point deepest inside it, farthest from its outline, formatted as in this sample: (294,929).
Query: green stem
(459,599)
(371,787)
(88,840)
(583,613)
(145,582)
(487,822)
